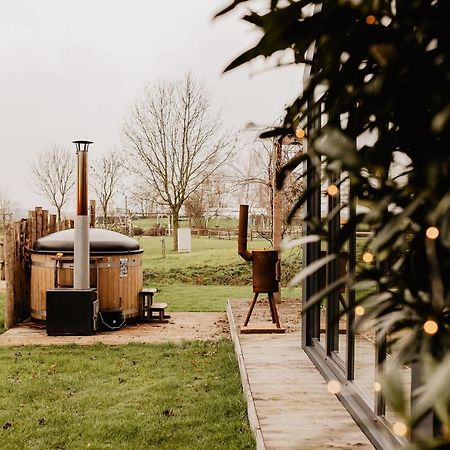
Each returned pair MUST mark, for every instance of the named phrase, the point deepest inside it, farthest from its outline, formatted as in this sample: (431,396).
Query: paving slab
(288,403)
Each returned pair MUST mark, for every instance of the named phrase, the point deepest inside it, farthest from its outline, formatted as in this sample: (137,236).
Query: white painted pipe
(81,253)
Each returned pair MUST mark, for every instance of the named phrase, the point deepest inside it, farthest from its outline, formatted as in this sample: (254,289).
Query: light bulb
(400,429)
(332,190)
(432,232)
(430,327)
(367,257)
(300,133)
(334,387)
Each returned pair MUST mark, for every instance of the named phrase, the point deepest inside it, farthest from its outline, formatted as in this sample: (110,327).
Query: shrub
(157,230)
(138,231)
(231,274)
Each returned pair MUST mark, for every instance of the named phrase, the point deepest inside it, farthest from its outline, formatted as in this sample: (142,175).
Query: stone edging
(251,409)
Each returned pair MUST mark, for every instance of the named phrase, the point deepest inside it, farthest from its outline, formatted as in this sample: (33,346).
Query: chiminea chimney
(81,239)
(242,233)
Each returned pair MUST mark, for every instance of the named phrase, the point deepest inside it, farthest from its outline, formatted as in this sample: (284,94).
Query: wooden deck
(288,403)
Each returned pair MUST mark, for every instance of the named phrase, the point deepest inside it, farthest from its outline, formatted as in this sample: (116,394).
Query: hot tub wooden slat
(114,292)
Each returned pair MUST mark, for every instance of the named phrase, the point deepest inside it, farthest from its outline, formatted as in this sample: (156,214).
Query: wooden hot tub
(115,270)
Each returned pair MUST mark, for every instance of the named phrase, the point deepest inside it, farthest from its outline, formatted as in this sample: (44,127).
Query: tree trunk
(105,213)
(175,219)
(58,219)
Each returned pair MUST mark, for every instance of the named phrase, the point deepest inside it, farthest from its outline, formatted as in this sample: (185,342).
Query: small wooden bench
(160,309)
(147,307)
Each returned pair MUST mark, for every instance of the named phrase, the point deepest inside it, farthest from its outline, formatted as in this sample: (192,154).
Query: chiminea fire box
(72,312)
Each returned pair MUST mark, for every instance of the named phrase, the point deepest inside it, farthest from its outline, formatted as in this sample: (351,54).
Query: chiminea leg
(272,312)
(273,308)
(251,309)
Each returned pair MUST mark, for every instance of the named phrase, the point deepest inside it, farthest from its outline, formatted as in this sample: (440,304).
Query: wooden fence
(2,260)
(19,240)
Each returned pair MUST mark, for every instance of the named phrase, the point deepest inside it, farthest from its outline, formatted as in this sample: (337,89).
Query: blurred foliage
(380,74)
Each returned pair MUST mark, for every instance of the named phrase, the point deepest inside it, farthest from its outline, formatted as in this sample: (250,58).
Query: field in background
(205,252)
(197,281)
(220,222)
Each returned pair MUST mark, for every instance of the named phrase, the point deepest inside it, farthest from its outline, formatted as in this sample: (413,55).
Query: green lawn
(220,222)
(124,397)
(204,252)
(2,312)
(187,297)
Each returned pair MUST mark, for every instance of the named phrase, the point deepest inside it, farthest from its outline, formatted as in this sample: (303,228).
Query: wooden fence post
(32,219)
(38,212)
(10,259)
(2,260)
(52,224)
(45,222)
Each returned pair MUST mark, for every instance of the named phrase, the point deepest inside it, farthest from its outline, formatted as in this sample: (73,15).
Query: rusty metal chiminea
(266,270)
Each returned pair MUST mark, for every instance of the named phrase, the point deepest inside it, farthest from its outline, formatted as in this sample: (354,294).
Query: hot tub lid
(101,242)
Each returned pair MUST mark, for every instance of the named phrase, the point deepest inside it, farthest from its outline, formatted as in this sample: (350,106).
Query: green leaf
(310,269)
(435,389)
(230,7)
(292,164)
(397,224)
(334,144)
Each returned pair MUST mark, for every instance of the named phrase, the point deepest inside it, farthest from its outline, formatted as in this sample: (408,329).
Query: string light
(370,20)
(432,232)
(367,257)
(400,429)
(300,133)
(430,327)
(332,190)
(359,310)
(376,386)
(333,387)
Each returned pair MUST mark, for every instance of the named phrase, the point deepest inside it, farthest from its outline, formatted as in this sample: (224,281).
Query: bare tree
(54,176)
(255,179)
(5,208)
(206,201)
(105,179)
(176,140)
(254,175)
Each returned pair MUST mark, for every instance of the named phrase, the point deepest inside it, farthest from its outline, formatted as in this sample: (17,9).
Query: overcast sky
(70,69)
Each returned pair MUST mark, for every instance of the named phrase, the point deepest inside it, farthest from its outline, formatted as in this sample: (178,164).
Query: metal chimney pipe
(242,234)
(81,239)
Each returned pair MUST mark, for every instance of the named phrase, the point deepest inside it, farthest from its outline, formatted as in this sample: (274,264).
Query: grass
(125,397)
(204,252)
(2,312)
(220,222)
(186,297)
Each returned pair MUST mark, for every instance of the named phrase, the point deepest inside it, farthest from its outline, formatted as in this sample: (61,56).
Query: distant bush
(155,231)
(138,231)
(231,274)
